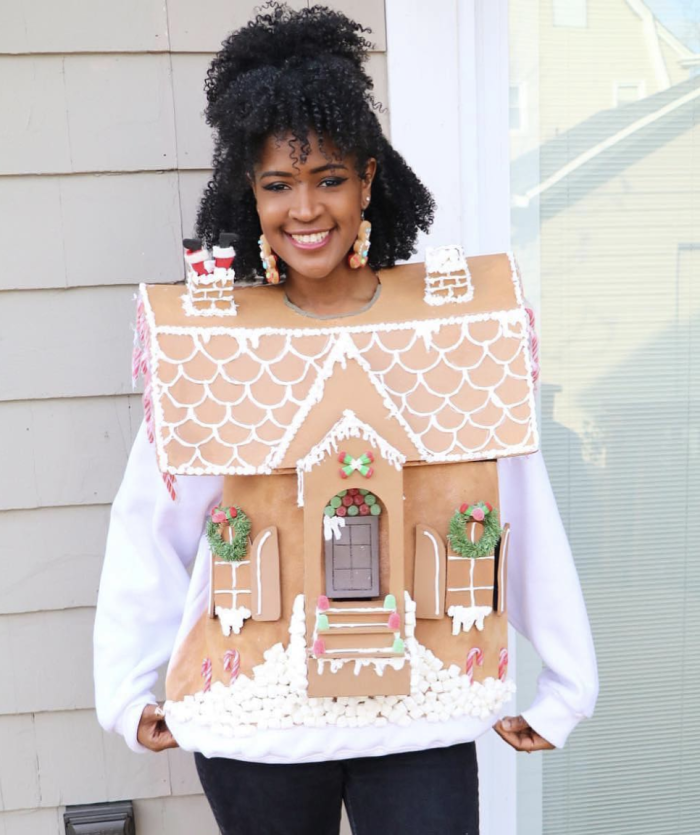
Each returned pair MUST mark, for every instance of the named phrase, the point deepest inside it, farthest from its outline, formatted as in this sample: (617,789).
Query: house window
(627,91)
(570,13)
(516,108)
(352,559)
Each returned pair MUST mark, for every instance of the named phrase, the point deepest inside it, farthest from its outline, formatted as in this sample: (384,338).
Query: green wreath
(478,512)
(236,519)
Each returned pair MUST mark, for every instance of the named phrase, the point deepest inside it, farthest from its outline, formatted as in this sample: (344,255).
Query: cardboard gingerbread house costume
(357,561)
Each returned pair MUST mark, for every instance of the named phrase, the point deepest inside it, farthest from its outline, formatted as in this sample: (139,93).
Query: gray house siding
(103,154)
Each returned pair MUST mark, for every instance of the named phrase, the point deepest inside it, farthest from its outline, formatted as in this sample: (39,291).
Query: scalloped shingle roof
(231,399)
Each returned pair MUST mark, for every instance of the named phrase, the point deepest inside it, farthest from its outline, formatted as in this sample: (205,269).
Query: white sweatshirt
(148,603)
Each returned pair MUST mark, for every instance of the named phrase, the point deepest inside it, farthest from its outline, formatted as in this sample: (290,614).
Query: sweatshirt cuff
(552,719)
(129,725)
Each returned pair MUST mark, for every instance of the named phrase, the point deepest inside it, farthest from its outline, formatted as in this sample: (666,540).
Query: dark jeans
(419,793)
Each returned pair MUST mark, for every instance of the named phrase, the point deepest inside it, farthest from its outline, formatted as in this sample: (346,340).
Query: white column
(448,109)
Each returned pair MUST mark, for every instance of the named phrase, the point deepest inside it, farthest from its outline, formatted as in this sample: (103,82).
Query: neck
(342,291)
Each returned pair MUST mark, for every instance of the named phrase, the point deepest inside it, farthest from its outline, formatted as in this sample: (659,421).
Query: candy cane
(232,663)
(206,673)
(502,664)
(474,656)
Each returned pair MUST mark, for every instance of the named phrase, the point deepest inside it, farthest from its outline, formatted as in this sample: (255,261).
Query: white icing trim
(361,651)
(513,316)
(267,535)
(191,310)
(436,552)
(465,617)
(515,278)
(349,426)
(351,625)
(379,664)
(232,619)
(470,588)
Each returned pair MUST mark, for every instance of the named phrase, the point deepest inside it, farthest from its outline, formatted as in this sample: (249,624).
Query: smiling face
(310,212)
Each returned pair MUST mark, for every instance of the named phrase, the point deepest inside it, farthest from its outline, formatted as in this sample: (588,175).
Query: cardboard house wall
(437,391)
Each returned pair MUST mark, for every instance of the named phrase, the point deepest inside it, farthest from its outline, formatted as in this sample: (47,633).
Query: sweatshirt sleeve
(151,541)
(545,602)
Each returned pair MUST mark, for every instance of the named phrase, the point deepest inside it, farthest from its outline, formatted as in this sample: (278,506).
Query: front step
(353,630)
(366,682)
(358,649)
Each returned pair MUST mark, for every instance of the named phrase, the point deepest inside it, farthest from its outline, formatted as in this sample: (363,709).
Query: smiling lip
(311,244)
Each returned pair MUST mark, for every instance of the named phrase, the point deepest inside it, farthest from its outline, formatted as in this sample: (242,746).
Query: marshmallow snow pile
(276,695)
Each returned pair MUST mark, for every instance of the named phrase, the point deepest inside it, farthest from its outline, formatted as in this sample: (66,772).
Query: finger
(153,732)
(514,723)
(165,741)
(158,738)
(526,741)
(539,743)
(511,739)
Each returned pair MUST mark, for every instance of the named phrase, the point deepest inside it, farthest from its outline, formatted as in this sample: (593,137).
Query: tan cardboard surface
(401,299)
(431,493)
(266,597)
(230,402)
(368,683)
(430,569)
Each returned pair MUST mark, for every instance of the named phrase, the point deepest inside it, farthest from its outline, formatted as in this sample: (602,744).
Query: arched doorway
(351,521)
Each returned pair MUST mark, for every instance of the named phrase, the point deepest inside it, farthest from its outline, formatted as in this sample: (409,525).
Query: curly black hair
(301,72)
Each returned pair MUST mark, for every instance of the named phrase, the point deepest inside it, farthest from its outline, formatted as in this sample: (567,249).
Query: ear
(368,177)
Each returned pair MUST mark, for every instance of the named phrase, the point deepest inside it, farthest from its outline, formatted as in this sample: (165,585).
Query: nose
(305,207)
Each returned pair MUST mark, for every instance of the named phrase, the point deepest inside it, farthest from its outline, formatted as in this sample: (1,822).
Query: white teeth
(311,239)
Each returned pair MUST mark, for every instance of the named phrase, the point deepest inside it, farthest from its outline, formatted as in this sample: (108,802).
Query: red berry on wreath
(234,512)
(463,507)
(490,507)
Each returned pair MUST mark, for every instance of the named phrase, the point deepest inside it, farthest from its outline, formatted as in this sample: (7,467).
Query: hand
(152,732)
(519,735)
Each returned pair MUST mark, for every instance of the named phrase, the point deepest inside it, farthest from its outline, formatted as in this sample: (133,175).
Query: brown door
(352,560)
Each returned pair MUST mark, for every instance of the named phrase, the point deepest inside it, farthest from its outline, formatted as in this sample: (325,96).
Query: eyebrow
(328,167)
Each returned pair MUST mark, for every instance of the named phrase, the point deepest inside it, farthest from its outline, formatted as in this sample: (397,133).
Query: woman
(300,159)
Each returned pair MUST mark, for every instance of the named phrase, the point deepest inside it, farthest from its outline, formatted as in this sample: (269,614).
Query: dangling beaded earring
(358,257)
(269,261)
